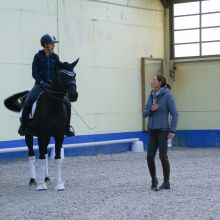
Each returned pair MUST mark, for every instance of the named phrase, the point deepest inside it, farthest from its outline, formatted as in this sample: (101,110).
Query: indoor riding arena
(116,186)
(123,47)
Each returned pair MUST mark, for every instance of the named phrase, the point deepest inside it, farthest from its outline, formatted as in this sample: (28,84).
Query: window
(196,28)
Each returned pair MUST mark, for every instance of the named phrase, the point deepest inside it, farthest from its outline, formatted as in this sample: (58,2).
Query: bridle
(52,94)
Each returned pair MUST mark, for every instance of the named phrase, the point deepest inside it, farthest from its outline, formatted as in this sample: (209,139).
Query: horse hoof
(42,187)
(32,182)
(59,186)
(47,179)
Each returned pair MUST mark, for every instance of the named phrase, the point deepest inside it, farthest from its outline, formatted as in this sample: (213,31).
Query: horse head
(67,78)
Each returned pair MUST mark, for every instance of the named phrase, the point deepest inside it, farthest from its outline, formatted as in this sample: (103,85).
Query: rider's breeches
(33,95)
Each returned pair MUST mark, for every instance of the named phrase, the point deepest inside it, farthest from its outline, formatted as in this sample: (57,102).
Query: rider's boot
(24,128)
(70,131)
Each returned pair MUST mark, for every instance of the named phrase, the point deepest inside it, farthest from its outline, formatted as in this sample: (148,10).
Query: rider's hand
(44,84)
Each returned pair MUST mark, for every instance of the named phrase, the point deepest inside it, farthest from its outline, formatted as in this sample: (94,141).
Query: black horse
(15,103)
(50,120)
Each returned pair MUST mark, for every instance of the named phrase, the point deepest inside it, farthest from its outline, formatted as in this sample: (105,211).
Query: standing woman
(159,106)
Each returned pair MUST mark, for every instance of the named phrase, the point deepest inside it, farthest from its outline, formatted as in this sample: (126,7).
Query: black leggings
(157,139)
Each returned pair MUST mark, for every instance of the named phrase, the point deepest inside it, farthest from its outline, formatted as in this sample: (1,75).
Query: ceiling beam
(164,3)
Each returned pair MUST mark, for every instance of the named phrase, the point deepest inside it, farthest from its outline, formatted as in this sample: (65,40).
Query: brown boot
(166,174)
(152,170)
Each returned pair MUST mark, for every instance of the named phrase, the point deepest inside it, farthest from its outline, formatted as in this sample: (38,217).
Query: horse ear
(74,63)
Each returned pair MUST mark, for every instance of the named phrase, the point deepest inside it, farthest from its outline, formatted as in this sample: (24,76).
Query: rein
(50,92)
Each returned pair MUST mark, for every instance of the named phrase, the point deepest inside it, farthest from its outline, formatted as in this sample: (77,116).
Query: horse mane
(14,102)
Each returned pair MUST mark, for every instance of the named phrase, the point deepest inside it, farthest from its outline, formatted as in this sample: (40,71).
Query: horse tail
(15,102)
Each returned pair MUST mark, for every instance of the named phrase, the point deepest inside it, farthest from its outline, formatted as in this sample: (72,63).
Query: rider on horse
(43,67)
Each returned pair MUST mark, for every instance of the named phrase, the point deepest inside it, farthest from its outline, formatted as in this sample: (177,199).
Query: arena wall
(197,89)
(110,37)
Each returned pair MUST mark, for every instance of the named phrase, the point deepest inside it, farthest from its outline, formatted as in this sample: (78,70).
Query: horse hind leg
(42,142)
(47,177)
(59,184)
(31,160)
(29,142)
(32,172)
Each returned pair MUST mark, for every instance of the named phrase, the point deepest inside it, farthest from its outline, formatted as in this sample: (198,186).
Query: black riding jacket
(43,67)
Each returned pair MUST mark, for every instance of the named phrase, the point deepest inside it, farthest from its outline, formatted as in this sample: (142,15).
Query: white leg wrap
(41,185)
(52,153)
(31,165)
(46,171)
(59,184)
(62,153)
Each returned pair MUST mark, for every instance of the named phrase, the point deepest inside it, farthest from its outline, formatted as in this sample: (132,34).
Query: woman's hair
(163,81)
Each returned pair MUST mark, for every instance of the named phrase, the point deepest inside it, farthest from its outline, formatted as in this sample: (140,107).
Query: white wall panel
(196,90)
(149,4)
(22,24)
(118,2)
(110,39)
(109,36)
(144,4)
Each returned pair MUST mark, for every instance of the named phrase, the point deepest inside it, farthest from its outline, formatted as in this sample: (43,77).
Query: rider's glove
(44,84)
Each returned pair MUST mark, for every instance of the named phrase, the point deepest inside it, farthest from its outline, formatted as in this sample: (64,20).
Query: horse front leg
(42,142)
(31,160)
(59,184)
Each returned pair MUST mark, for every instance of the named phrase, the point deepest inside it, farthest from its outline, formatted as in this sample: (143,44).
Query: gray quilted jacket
(160,119)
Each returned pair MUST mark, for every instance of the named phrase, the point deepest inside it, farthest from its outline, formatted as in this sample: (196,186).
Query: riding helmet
(48,39)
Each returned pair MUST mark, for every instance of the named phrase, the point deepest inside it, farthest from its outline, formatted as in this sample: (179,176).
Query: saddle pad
(31,115)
